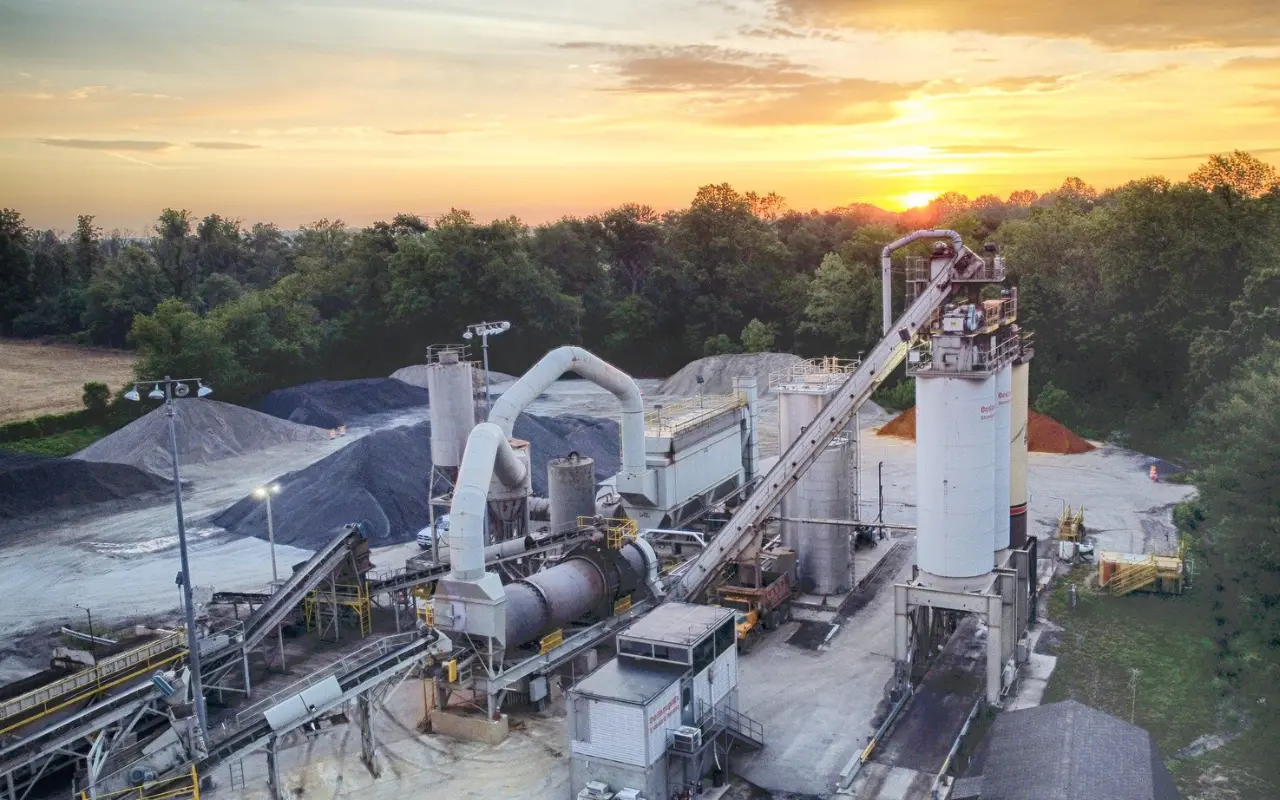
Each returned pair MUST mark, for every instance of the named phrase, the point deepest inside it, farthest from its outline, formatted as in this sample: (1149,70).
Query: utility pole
(93,643)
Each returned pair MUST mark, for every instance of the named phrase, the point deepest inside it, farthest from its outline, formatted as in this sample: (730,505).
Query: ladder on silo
(736,537)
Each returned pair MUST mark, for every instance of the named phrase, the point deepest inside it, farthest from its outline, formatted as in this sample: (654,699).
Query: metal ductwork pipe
(488,453)
(563,360)
(886,266)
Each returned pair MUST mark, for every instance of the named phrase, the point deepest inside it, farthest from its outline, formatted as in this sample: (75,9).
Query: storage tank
(571,487)
(796,411)
(823,554)
(1003,426)
(955,476)
(509,506)
(1020,374)
(452,410)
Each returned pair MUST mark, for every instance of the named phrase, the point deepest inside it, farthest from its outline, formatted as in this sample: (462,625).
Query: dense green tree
(1242,172)
(758,337)
(842,314)
(15,268)
(126,286)
(175,251)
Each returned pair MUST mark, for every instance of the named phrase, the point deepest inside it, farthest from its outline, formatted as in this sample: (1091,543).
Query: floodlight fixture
(133,395)
(157,393)
(202,390)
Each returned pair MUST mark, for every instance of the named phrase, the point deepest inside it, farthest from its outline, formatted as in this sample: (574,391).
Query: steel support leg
(13,793)
(244,657)
(273,771)
(364,715)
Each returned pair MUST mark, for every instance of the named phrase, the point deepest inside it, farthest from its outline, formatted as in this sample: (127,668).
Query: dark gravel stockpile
(328,404)
(555,437)
(381,481)
(33,484)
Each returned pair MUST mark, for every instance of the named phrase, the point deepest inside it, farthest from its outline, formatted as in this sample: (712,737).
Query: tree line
(1155,308)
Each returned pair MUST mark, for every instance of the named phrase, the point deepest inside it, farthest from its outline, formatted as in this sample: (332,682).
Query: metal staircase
(741,532)
(741,727)
(1131,577)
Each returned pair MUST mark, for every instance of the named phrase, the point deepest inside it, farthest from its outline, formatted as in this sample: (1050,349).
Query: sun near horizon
(296,110)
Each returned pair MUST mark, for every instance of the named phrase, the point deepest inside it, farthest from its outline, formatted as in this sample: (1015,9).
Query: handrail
(691,412)
(78,686)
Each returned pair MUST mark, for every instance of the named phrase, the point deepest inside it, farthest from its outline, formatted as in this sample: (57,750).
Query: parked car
(428,541)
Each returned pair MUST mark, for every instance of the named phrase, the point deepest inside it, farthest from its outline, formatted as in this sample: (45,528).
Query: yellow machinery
(1122,573)
(1071,526)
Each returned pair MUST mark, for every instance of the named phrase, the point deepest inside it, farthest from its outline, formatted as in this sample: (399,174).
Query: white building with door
(662,716)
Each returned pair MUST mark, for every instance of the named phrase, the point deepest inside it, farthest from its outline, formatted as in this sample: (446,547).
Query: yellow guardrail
(617,532)
(550,642)
(136,793)
(112,672)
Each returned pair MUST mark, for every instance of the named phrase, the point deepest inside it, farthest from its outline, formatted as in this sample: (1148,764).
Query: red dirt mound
(1044,434)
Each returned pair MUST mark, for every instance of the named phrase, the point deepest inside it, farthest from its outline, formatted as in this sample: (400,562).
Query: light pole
(484,330)
(165,390)
(264,493)
(93,644)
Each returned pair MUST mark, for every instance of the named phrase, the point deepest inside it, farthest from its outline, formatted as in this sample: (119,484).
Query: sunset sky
(289,110)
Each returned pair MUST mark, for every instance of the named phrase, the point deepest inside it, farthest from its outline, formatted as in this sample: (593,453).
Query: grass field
(40,378)
(1217,746)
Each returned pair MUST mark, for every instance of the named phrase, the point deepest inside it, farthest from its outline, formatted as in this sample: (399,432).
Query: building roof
(625,681)
(1069,751)
(678,623)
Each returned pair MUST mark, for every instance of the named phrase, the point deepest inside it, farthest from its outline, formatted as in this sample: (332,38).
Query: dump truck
(759,590)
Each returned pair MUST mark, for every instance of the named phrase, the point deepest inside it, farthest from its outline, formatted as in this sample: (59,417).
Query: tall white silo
(823,554)
(1021,376)
(796,411)
(955,476)
(1003,426)
(452,406)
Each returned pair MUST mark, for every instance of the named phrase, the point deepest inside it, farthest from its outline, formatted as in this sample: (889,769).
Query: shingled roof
(1069,751)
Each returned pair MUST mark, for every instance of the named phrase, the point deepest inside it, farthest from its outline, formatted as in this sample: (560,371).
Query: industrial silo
(1003,458)
(1020,375)
(452,409)
(796,411)
(823,551)
(571,487)
(955,476)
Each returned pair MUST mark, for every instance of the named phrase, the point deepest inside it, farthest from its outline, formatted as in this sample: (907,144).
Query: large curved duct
(886,266)
(574,359)
(488,453)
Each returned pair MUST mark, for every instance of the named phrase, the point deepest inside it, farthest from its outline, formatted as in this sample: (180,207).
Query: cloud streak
(109,145)
(1118,24)
(225,146)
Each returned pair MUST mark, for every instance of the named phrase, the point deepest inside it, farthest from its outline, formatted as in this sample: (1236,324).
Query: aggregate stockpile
(718,372)
(380,481)
(207,430)
(34,484)
(328,404)
(1044,434)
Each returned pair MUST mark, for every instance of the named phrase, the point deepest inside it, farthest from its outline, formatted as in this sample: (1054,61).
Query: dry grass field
(40,378)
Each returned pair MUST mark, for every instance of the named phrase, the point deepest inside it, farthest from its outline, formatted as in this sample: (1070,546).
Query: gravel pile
(416,375)
(208,430)
(380,480)
(34,484)
(328,404)
(555,437)
(718,372)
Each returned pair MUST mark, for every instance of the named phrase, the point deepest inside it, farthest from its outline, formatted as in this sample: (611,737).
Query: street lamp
(93,643)
(484,330)
(264,493)
(166,390)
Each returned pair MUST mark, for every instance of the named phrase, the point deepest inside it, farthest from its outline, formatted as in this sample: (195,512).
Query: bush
(900,397)
(719,345)
(97,401)
(1056,403)
(758,337)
